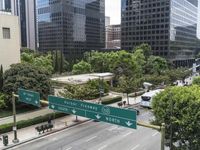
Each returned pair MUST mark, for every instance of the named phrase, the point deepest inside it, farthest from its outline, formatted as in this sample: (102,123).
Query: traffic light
(5,139)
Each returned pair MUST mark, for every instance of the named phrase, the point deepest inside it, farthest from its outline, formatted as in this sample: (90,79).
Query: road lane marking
(102,147)
(113,128)
(135,147)
(127,134)
(91,138)
(68,148)
(155,134)
(54,139)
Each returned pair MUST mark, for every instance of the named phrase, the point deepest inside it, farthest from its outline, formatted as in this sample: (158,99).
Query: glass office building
(5,5)
(71,26)
(169,26)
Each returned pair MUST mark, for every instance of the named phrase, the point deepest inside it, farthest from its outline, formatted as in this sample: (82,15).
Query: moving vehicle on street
(147,98)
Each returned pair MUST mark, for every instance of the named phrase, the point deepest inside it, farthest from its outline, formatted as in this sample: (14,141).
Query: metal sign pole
(15,140)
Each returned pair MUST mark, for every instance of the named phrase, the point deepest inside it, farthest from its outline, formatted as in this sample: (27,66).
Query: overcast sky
(113,10)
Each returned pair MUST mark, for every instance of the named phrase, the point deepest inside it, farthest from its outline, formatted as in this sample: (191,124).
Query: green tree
(177,74)
(156,65)
(44,62)
(146,50)
(60,64)
(41,61)
(98,61)
(196,81)
(1,78)
(179,109)
(81,68)
(128,85)
(139,59)
(28,77)
(124,65)
(2,101)
(27,57)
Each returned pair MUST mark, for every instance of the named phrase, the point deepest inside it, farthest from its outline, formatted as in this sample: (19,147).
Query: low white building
(9,40)
(83,78)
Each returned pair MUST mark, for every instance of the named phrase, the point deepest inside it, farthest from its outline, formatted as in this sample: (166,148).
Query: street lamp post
(101,89)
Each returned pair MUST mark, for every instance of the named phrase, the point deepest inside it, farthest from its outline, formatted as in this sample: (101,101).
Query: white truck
(147,98)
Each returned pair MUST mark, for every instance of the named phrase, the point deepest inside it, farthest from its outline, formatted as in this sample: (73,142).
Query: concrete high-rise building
(113,37)
(9,40)
(169,26)
(26,11)
(71,26)
(107,21)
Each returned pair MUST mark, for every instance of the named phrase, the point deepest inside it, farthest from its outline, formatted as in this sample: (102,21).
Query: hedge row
(110,100)
(25,123)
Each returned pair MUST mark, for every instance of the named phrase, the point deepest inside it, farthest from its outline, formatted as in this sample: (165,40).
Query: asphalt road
(97,136)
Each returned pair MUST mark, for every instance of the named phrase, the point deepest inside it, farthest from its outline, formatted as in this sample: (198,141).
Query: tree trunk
(128,99)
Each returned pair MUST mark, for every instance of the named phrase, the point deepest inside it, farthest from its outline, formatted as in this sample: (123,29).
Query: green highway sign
(113,115)
(29,97)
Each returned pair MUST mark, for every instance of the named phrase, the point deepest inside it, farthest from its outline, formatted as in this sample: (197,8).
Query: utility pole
(101,89)
(15,140)
(163,136)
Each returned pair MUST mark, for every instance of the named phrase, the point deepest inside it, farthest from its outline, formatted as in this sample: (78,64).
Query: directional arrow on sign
(129,123)
(73,111)
(98,116)
(52,106)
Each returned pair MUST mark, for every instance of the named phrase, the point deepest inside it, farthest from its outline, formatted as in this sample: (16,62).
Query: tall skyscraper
(71,26)
(113,37)
(169,26)
(26,11)
(5,5)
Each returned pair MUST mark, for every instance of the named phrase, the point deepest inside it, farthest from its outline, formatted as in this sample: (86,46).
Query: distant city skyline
(113,10)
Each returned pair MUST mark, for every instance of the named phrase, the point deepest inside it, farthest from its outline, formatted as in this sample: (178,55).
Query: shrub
(87,91)
(110,100)
(81,68)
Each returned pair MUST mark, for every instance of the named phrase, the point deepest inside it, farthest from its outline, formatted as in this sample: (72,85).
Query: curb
(43,135)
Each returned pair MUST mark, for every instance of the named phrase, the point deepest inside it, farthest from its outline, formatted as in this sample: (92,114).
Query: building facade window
(6,33)
(169,26)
